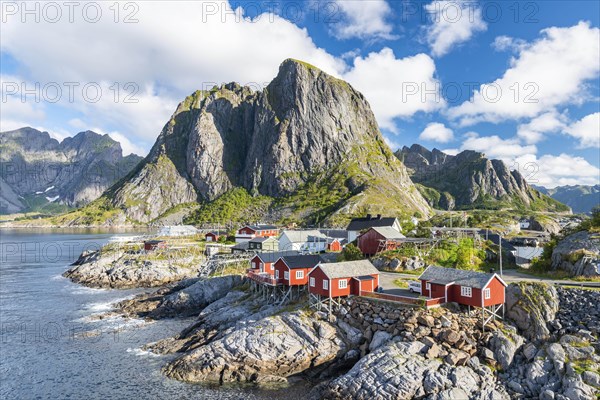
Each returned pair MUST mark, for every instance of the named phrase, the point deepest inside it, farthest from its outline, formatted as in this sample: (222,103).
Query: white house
(304,241)
(359,225)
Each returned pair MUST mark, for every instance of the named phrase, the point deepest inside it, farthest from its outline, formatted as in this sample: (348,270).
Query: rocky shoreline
(120,269)
(547,349)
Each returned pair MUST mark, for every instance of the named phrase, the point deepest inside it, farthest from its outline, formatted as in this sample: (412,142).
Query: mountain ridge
(304,130)
(37,170)
(469,180)
(581,198)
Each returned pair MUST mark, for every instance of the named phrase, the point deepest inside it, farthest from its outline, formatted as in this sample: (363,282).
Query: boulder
(504,345)
(379,339)
(531,306)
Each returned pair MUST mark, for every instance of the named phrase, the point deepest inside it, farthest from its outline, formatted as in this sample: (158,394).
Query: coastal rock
(531,306)
(398,370)
(504,345)
(578,254)
(102,269)
(277,346)
(190,300)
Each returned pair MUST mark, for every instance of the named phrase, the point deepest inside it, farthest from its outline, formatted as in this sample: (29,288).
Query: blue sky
(543,57)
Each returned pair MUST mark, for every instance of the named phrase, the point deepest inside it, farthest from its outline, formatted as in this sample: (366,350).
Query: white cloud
(503,43)
(534,130)
(437,132)
(551,171)
(396,88)
(363,19)
(169,53)
(549,72)
(452,23)
(496,147)
(451,152)
(127,145)
(586,130)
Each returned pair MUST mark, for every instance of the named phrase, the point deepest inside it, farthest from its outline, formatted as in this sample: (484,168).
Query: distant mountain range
(581,198)
(39,173)
(469,180)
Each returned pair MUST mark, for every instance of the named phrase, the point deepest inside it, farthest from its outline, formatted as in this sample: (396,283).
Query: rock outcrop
(578,254)
(399,370)
(37,171)
(531,306)
(306,129)
(265,351)
(470,180)
(119,269)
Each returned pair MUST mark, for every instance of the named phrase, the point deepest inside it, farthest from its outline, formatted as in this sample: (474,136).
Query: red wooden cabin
(211,237)
(150,245)
(264,262)
(251,231)
(293,270)
(334,244)
(343,278)
(378,239)
(471,288)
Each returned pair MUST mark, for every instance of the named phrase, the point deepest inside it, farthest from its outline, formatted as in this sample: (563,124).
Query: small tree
(350,253)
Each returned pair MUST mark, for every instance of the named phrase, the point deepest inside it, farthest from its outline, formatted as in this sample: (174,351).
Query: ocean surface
(51,347)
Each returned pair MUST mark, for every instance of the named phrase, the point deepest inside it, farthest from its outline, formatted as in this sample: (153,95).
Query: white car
(414,286)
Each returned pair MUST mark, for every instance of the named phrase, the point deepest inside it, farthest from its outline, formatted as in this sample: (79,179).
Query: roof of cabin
(260,227)
(364,278)
(358,224)
(348,269)
(444,276)
(302,261)
(262,239)
(298,236)
(272,256)
(388,232)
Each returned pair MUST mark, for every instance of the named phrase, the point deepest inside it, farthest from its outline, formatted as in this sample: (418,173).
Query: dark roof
(335,233)
(304,261)
(270,257)
(348,269)
(154,241)
(443,276)
(364,278)
(261,239)
(240,246)
(358,224)
(261,227)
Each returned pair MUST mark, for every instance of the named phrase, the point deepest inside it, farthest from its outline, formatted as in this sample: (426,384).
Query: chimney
(369,216)
(378,216)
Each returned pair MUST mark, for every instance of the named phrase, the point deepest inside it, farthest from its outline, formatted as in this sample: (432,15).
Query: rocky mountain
(307,146)
(469,180)
(581,198)
(40,173)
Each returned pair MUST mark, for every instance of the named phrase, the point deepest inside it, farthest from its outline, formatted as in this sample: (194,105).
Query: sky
(518,81)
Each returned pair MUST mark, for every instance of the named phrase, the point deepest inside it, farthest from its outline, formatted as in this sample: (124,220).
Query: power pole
(500,252)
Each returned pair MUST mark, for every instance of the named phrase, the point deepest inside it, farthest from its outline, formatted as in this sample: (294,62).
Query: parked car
(414,287)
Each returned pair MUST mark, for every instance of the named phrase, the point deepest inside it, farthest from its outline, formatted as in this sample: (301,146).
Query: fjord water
(45,352)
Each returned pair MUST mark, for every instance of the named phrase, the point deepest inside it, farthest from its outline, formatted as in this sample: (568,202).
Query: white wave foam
(139,352)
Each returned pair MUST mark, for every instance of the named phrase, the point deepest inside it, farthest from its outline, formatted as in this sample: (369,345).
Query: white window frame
(345,284)
(276,274)
(299,274)
(325,284)
(428,286)
(487,293)
(286,275)
(466,291)
(312,281)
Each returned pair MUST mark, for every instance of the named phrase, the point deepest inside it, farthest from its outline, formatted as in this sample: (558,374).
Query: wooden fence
(415,301)
(262,278)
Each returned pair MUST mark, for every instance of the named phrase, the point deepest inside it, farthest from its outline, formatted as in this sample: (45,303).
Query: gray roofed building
(388,232)
(348,269)
(444,276)
(302,261)
(261,227)
(271,257)
(359,224)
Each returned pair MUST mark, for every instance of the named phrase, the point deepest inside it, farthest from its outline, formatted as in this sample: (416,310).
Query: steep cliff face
(470,180)
(304,131)
(37,170)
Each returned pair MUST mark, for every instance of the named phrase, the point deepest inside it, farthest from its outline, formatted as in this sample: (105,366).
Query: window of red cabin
(487,294)
(466,291)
